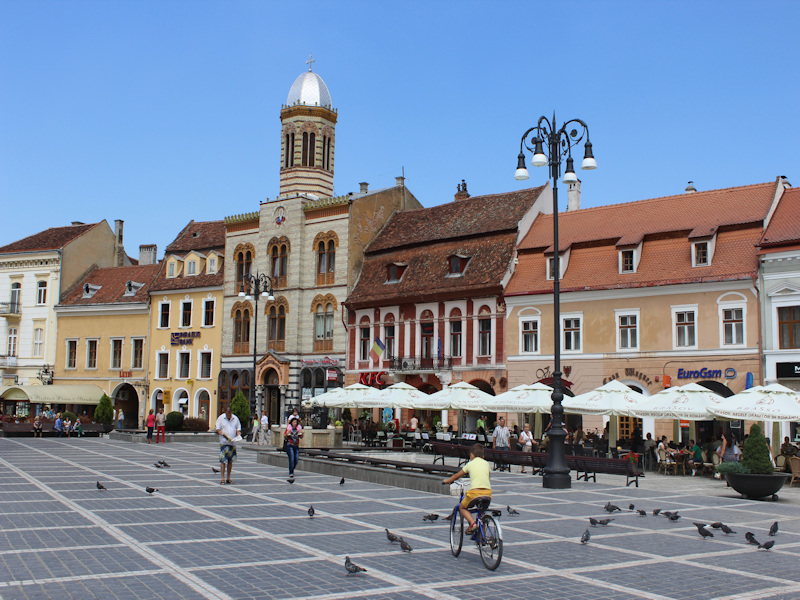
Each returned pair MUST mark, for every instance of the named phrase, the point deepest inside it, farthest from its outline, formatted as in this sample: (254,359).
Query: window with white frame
(551,268)
(701,257)
(212,265)
(11,347)
(116,354)
(684,322)
(205,365)
(162,365)
(389,341)
(363,343)
(626,261)
(171,270)
(571,327)
(484,332)
(91,354)
(789,327)
(186,313)
(733,326)
(163,315)
(72,354)
(456,336)
(208,312)
(191,267)
(529,336)
(184,360)
(38,342)
(137,353)
(41,292)
(627,331)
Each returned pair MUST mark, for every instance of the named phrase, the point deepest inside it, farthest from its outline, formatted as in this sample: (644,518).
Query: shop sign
(703,373)
(333,375)
(310,362)
(788,370)
(125,374)
(684,424)
(630,374)
(371,378)
(183,338)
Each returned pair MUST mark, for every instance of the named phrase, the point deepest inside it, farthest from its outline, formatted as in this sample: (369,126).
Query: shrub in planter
(174,421)
(755,452)
(195,424)
(731,467)
(104,412)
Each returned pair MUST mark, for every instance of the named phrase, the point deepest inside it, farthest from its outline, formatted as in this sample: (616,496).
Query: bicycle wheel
(456,533)
(491,544)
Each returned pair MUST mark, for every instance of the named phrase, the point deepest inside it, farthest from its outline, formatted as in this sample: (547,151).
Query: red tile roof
(459,219)
(184,282)
(49,239)
(113,282)
(199,235)
(784,226)
(700,213)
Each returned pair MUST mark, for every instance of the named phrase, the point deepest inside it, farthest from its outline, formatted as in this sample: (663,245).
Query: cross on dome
(309,61)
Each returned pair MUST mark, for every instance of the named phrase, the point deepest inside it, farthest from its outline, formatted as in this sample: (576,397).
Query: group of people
(156,421)
(62,427)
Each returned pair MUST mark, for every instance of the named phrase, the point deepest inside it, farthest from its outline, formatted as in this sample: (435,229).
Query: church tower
(308,126)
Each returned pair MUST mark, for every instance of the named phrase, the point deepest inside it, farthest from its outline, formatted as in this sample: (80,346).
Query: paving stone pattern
(62,538)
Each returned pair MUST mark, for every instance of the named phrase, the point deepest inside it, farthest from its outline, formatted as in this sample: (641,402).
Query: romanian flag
(377,350)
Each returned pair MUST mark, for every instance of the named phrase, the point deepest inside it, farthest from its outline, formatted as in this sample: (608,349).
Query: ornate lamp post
(256,285)
(550,146)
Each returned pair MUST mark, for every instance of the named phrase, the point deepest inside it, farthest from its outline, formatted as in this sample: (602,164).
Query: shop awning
(54,394)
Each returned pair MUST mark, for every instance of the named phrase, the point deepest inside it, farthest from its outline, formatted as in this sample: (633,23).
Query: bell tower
(308,137)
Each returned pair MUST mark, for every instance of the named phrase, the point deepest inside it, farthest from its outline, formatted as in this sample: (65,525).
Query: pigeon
(311,511)
(612,508)
(163,463)
(774,529)
(642,513)
(717,525)
(704,532)
(405,545)
(726,529)
(448,517)
(667,513)
(631,507)
(352,567)
(585,537)
(341,481)
(766,545)
(390,536)
(593,522)
(511,511)
(751,539)
(156,465)
(605,522)
(656,511)
(100,486)
(674,516)
(431,517)
(150,490)
(213,470)
(698,525)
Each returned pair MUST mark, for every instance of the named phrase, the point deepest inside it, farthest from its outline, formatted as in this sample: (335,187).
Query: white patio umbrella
(772,402)
(527,398)
(341,397)
(461,395)
(691,402)
(612,399)
(399,395)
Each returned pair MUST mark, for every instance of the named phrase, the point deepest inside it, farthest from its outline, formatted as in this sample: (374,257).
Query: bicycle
(488,535)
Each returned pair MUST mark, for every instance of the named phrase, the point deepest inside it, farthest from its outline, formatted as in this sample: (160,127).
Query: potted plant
(755,476)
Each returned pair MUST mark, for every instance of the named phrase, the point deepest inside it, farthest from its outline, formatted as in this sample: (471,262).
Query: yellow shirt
(479,473)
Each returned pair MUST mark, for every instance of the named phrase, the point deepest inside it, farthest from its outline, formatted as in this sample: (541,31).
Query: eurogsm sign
(372,379)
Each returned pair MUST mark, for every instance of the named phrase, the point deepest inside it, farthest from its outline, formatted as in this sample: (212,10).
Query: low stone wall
(136,436)
(383,476)
(312,438)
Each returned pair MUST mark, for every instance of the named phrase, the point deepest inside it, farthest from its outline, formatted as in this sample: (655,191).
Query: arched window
(11,349)
(284,255)
(276,262)
(241,331)
(41,292)
(322,259)
(291,151)
(312,149)
(278,250)
(484,332)
(286,151)
(364,335)
(306,150)
(276,328)
(389,337)
(244,261)
(427,351)
(16,296)
(328,155)
(455,333)
(323,327)
(325,246)
(325,150)
(331,256)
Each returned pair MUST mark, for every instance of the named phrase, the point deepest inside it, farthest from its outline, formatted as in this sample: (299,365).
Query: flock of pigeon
(674,516)
(162,464)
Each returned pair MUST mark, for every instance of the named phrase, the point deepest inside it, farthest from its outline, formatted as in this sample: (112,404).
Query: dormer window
(701,254)
(191,267)
(212,265)
(626,261)
(394,272)
(457,265)
(171,270)
(131,287)
(551,268)
(89,289)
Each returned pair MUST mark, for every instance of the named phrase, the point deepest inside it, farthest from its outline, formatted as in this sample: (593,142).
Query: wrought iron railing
(421,363)
(10,308)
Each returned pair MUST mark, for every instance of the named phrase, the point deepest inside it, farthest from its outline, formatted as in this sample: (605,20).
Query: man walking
(120,419)
(228,427)
(161,421)
(263,429)
(500,441)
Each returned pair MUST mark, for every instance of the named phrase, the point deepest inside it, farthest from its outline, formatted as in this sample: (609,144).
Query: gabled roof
(699,214)
(111,281)
(456,220)
(784,227)
(199,235)
(49,239)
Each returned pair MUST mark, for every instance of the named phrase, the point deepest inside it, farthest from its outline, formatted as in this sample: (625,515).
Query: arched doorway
(181,402)
(126,398)
(202,404)
(272,395)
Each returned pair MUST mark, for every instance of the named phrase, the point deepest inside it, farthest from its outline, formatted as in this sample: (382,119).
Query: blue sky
(158,112)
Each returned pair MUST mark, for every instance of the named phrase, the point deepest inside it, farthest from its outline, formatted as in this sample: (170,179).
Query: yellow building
(103,323)
(186,323)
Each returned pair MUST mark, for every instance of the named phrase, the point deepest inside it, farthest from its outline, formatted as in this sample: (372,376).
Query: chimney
(400,181)
(690,188)
(364,187)
(119,249)
(461,191)
(783,180)
(574,196)
(147,254)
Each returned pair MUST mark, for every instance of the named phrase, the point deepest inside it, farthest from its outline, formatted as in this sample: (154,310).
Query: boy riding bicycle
(479,473)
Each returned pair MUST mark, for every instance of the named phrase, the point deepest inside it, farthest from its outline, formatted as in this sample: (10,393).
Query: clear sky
(162,111)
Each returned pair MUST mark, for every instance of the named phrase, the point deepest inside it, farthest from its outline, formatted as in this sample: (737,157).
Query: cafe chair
(664,464)
(794,464)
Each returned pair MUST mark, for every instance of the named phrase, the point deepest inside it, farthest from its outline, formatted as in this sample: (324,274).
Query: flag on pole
(377,350)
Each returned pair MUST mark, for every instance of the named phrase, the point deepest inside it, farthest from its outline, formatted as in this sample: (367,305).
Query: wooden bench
(441,450)
(26,429)
(589,466)
(431,469)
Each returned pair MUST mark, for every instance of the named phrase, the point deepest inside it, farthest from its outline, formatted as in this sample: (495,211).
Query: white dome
(309,89)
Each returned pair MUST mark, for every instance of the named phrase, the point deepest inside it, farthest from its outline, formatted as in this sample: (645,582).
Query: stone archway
(126,398)
(272,395)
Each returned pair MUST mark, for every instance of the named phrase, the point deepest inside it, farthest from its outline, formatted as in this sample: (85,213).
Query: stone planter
(752,485)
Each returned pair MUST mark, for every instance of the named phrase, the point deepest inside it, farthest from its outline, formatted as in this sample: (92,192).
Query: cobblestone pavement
(60,537)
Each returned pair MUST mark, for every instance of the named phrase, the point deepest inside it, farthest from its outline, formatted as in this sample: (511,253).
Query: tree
(104,413)
(241,408)
(755,452)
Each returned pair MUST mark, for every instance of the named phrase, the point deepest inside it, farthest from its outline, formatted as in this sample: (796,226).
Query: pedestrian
(527,441)
(161,422)
(727,451)
(500,441)
(229,429)
(480,426)
(414,422)
(264,428)
(115,418)
(203,414)
(120,419)
(67,426)
(37,427)
(292,435)
(77,428)
(151,423)
(59,426)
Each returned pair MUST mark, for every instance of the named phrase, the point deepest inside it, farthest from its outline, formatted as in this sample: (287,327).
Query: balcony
(10,309)
(8,361)
(419,363)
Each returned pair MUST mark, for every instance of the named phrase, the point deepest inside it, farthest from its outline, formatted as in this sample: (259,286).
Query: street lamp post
(257,285)
(550,146)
